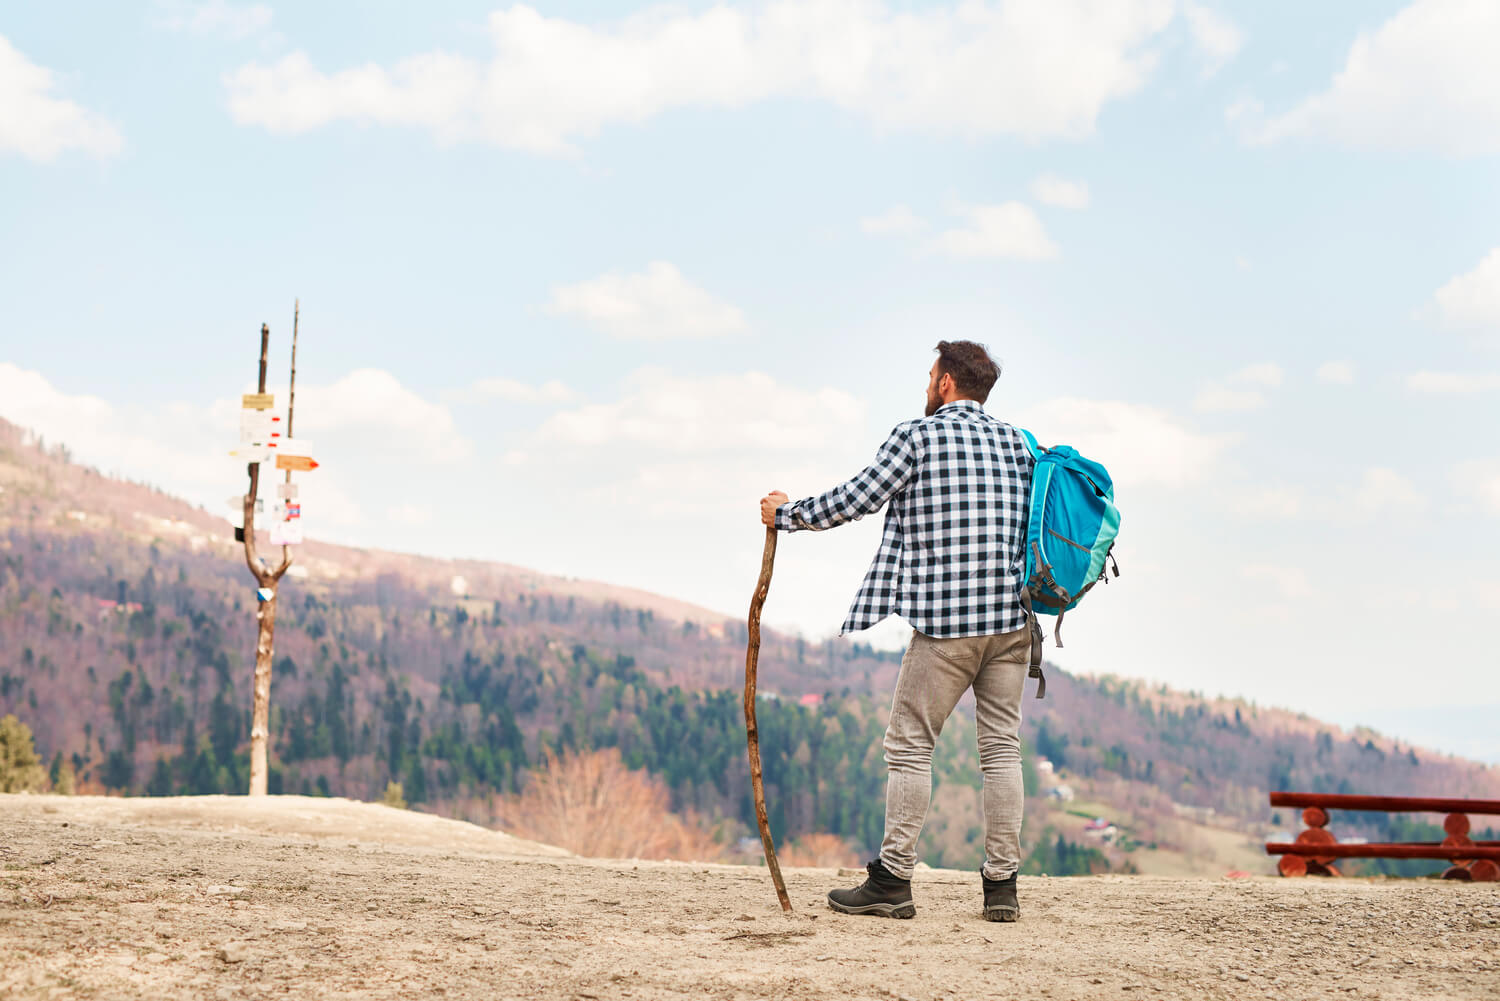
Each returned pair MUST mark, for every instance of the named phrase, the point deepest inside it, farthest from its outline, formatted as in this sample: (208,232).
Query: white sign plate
(286,533)
(252,453)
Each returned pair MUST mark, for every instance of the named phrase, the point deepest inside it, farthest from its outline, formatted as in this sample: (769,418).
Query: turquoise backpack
(1070,531)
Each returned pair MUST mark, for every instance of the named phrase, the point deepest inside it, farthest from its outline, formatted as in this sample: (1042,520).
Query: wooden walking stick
(752,732)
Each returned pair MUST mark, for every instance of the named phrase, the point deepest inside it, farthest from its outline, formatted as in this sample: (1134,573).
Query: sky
(580,282)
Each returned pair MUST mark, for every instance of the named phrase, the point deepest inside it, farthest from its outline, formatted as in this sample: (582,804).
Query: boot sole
(1002,913)
(907,910)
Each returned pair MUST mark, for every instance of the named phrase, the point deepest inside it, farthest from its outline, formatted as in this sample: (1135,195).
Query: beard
(933,402)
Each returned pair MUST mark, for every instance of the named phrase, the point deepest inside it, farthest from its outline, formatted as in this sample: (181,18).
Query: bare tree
(267,581)
(590,803)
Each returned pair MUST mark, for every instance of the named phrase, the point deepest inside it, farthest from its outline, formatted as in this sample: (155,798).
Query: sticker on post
(265,593)
(286,491)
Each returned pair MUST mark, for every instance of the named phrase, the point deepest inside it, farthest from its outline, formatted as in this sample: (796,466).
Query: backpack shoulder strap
(1036,450)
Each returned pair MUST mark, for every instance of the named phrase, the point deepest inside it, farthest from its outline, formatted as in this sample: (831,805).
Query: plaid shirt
(951,556)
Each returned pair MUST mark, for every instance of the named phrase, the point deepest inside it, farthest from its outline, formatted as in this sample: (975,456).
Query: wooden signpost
(299,463)
(262,425)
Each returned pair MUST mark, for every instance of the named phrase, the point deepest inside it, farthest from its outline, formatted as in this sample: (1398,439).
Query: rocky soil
(220,897)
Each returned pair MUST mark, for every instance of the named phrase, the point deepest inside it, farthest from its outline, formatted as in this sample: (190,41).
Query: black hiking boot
(1000,899)
(883,895)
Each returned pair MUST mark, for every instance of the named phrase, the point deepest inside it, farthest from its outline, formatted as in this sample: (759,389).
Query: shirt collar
(973,406)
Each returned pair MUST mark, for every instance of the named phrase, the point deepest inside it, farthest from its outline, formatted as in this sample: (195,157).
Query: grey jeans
(934,675)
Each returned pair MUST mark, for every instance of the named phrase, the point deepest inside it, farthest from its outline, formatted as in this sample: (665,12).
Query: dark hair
(973,370)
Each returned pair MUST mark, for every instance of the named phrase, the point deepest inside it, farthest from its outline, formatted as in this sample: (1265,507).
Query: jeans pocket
(954,651)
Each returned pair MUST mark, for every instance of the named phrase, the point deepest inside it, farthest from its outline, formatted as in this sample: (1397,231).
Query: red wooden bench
(1316,849)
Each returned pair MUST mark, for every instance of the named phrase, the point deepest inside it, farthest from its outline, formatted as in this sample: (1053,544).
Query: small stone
(1242,977)
(226,890)
(234,952)
(372,907)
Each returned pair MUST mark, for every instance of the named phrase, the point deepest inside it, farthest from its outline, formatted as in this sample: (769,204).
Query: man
(955,485)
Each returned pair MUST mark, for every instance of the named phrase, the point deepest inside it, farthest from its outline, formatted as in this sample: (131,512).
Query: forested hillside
(126,641)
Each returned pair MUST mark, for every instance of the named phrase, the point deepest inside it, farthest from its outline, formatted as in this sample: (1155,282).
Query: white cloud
(1244,390)
(1010,229)
(38,125)
(1289,583)
(708,414)
(897,220)
(1140,445)
(514,391)
(1427,79)
(363,424)
(1031,68)
(174,447)
(1338,373)
(1263,374)
(1218,38)
(1472,300)
(1049,189)
(658,304)
(1480,479)
(1382,490)
(213,17)
(372,406)
(1453,382)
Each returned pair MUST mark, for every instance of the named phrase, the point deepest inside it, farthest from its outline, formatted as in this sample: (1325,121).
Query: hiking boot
(1000,899)
(884,895)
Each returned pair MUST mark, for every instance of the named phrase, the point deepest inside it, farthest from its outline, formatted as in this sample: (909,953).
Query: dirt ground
(219,897)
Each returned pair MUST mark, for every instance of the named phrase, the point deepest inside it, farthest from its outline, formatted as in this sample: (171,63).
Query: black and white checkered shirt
(952,553)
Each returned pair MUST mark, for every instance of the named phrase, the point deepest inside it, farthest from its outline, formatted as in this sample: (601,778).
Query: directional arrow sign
(296,463)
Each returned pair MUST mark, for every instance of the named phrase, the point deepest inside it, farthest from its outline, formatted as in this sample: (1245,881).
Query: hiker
(955,486)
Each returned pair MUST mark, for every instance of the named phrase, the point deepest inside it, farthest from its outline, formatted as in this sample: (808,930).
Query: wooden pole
(265,612)
(1399,850)
(752,731)
(1386,804)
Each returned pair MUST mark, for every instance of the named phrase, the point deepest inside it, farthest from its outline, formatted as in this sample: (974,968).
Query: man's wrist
(783,517)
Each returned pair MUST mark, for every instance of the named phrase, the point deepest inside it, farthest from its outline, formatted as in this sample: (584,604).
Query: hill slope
(126,631)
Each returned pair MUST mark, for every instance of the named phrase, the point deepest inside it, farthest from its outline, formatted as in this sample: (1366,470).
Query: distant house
(1044,766)
(1062,793)
(810,700)
(117,607)
(1101,829)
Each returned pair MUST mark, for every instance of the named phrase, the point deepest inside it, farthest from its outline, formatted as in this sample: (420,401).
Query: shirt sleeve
(867,492)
